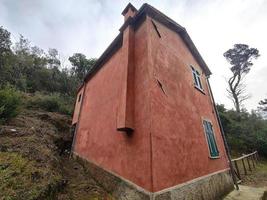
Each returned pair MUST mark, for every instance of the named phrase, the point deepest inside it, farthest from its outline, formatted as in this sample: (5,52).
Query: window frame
(212,154)
(197,79)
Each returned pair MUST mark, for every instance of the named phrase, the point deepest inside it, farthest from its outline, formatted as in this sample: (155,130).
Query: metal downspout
(224,138)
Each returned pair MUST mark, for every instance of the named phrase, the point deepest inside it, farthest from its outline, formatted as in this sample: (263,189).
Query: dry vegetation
(34,160)
(258,177)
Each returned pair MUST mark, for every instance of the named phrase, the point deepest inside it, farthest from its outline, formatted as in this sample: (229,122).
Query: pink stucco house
(146,124)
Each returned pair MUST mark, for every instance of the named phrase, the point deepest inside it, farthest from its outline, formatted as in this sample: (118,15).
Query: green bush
(10,102)
(245,132)
(51,103)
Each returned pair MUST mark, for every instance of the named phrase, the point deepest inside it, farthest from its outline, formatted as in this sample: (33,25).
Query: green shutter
(199,82)
(195,78)
(211,139)
(214,145)
(207,135)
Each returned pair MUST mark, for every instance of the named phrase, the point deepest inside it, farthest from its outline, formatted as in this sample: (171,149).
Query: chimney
(129,11)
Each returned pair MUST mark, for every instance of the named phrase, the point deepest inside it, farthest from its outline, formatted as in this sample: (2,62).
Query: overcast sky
(88,26)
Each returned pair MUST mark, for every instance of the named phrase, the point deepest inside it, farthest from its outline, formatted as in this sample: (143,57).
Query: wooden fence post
(249,164)
(257,155)
(237,170)
(253,162)
(254,157)
(244,166)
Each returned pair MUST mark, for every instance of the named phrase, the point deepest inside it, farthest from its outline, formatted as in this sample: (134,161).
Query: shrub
(51,103)
(245,132)
(10,102)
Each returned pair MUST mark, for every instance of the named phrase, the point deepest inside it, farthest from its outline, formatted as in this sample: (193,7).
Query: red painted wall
(168,145)
(97,138)
(179,147)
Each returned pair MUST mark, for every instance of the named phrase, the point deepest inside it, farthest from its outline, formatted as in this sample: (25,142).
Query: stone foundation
(211,187)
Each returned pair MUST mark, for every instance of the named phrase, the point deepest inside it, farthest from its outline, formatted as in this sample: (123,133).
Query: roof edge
(152,12)
(112,48)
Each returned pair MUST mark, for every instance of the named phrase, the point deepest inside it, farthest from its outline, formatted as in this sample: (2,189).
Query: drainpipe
(224,138)
(78,121)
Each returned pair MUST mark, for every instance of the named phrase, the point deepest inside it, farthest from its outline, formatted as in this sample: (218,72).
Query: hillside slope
(35,163)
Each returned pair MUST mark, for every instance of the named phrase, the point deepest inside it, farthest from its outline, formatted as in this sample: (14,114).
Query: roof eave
(147,10)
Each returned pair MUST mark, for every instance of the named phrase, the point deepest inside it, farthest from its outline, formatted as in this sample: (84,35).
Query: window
(214,152)
(197,79)
(80,96)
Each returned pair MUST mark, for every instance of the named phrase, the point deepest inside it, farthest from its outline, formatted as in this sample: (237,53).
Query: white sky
(88,26)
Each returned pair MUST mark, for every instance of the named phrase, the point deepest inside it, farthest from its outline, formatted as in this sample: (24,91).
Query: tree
(22,66)
(245,132)
(53,58)
(240,57)
(30,69)
(81,65)
(263,105)
(5,41)
(5,55)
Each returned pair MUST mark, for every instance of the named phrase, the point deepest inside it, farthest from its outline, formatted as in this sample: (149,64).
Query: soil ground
(35,163)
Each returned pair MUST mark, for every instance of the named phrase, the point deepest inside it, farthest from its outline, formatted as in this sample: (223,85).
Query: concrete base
(211,187)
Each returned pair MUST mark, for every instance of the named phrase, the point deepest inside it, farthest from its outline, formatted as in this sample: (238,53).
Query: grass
(258,177)
(31,167)
(21,179)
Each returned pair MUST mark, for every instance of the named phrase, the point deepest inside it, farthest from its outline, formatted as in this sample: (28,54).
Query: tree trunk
(233,85)
(237,104)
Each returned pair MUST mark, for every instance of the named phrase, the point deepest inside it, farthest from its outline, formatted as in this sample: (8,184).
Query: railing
(244,164)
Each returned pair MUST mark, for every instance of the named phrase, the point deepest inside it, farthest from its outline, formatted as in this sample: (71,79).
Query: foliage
(240,57)
(262,108)
(31,70)
(9,103)
(245,132)
(81,65)
(5,41)
(51,102)
(263,105)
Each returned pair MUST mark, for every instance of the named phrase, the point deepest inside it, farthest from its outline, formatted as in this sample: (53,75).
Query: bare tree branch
(240,57)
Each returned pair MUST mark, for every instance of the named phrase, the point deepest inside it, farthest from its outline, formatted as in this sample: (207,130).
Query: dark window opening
(214,152)
(156,28)
(80,96)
